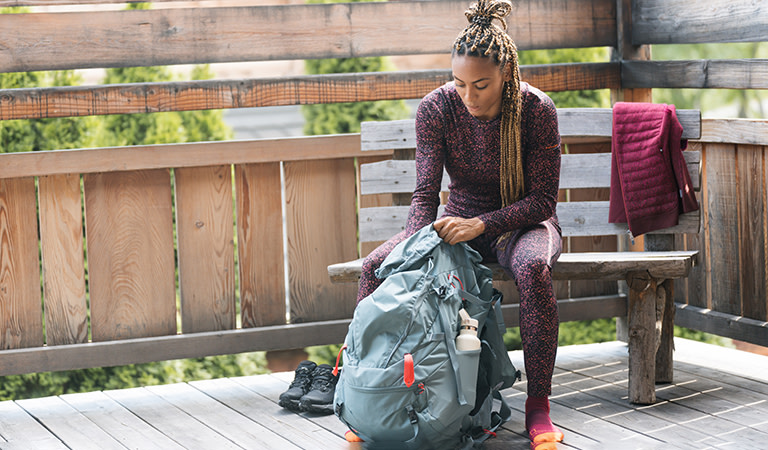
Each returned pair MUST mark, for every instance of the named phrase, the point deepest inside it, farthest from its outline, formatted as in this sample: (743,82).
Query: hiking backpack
(403,381)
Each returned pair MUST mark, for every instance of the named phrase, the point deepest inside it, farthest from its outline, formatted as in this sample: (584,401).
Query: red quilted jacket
(650,185)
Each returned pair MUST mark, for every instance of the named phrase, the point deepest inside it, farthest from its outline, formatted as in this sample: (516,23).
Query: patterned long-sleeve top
(449,136)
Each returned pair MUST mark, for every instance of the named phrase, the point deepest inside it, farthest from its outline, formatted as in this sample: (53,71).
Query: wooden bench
(649,304)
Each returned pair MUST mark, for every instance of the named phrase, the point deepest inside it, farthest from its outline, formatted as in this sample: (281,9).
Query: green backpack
(403,381)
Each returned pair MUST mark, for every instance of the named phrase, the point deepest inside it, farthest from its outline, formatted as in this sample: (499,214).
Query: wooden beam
(577,266)
(52,41)
(199,154)
(130,98)
(195,345)
(722,324)
(735,131)
(14,3)
(702,21)
(698,74)
(573,309)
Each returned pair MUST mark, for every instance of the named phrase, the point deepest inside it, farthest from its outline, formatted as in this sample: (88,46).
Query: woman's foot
(542,432)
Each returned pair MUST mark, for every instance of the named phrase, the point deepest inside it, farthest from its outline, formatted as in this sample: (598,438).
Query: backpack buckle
(412,415)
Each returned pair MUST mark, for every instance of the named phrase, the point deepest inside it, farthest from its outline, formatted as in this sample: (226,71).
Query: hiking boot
(319,399)
(299,386)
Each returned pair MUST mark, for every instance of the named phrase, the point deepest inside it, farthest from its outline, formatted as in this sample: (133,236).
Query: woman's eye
(480,88)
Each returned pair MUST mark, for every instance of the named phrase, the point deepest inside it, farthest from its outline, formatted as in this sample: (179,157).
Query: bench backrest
(578,171)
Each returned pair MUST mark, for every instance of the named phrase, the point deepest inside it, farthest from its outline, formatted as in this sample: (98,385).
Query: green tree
(346,117)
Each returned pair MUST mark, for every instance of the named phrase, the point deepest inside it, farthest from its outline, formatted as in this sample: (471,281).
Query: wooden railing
(208,217)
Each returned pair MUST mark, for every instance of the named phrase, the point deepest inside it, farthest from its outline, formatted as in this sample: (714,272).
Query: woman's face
(480,84)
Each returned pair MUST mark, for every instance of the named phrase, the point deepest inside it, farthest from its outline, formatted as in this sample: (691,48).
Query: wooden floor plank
(121,423)
(298,429)
(704,407)
(226,421)
(170,420)
(71,427)
(20,430)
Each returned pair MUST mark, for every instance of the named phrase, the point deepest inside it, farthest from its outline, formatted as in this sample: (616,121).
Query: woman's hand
(456,229)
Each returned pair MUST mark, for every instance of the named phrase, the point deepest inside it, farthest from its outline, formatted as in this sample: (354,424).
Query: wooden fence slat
(723,214)
(752,239)
(322,229)
(53,41)
(701,74)
(61,245)
(131,270)
(180,155)
(205,234)
(703,21)
(260,244)
(20,299)
(128,98)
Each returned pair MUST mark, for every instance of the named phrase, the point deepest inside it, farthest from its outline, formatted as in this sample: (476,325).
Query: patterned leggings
(527,256)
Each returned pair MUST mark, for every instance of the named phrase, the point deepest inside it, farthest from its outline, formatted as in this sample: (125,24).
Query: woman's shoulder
(441,101)
(535,98)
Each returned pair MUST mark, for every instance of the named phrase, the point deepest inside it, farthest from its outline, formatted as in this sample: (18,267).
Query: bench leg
(664,366)
(643,339)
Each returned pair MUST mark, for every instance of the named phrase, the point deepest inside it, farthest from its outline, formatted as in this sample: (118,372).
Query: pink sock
(538,423)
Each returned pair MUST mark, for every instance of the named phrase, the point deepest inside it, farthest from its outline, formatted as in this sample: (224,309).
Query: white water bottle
(467,338)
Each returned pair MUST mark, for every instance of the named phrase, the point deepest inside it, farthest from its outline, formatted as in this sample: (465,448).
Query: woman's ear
(507,72)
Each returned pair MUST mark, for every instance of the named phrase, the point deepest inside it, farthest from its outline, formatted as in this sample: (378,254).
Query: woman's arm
(541,153)
(430,160)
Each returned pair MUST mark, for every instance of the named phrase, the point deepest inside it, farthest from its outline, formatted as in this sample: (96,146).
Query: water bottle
(467,338)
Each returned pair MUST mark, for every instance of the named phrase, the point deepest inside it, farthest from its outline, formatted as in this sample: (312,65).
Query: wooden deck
(719,400)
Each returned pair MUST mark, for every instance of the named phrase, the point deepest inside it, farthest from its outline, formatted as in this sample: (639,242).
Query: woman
(498,139)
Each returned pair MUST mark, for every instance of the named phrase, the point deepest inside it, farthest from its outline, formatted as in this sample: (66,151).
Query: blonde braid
(484,38)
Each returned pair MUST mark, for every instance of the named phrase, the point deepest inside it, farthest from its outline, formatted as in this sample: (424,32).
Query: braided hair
(483,38)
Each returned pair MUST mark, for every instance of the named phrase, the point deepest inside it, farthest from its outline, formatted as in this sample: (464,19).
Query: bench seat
(577,266)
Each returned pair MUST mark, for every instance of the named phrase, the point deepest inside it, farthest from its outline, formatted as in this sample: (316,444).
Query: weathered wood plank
(750,162)
(300,429)
(321,229)
(14,3)
(723,213)
(697,74)
(61,247)
(260,244)
(21,319)
(118,421)
(588,170)
(161,348)
(573,123)
(131,269)
(170,420)
(181,155)
(232,425)
(722,324)
(586,288)
(210,35)
(205,234)
(706,21)
(20,430)
(74,429)
(578,266)
(576,219)
(71,101)
(735,131)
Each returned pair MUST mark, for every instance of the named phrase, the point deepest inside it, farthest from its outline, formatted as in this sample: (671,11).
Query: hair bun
(483,12)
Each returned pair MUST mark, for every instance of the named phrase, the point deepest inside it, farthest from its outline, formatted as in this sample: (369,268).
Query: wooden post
(642,336)
(664,364)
